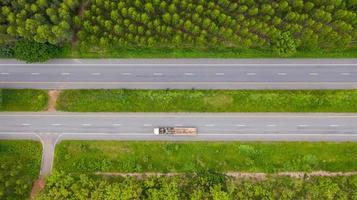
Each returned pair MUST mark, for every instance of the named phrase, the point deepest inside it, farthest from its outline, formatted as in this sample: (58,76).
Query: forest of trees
(203,185)
(238,23)
(281,26)
(40,20)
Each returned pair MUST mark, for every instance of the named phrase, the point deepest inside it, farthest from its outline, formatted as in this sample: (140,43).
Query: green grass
(23,100)
(199,53)
(114,156)
(207,101)
(19,167)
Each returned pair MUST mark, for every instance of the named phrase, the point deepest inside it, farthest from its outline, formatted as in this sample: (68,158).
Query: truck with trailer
(175,131)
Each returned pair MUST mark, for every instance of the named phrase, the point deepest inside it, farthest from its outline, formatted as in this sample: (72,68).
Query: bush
(6,51)
(31,51)
(284,45)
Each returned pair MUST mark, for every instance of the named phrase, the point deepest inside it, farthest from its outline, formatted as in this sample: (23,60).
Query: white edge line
(183,64)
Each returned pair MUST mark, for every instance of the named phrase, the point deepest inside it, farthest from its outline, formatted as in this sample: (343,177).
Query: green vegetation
(210,186)
(23,100)
(19,167)
(42,20)
(6,51)
(31,51)
(113,156)
(224,23)
(1,99)
(165,28)
(207,101)
(226,52)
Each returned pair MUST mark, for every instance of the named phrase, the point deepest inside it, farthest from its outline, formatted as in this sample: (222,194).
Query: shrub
(31,51)
(6,51)
(284,45)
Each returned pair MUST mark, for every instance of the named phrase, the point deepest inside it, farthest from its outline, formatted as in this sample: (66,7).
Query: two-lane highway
(211,126)
(182,74)
(50,128)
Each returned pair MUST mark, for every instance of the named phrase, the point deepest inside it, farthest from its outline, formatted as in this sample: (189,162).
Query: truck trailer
(175,131)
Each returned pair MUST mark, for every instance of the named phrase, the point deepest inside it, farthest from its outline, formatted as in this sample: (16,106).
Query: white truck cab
(156,131)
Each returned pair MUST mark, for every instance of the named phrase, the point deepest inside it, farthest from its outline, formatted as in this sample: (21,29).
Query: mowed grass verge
(227,52)
(130,156)
(23,100)
(122,100)
(19,167)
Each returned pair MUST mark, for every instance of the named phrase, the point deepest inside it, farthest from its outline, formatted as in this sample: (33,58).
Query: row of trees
(243,23)
(203,185)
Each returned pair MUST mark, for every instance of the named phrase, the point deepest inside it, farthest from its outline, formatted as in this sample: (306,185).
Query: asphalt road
(215,126)
(50,128)
(182,74)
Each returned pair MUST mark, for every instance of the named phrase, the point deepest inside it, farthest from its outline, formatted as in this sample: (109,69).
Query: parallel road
(50,128)
(182,74)
(211,126)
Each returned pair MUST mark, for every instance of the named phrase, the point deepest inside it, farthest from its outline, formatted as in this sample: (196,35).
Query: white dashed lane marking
(209,125)
(147,125)
(158,74)
(126,74)
(345,73)
(251,74)
(282,74)
(4,73)
(24,124)
(333,125)
(116,124)
(189,74)
(65,74)
(219,74)
(241,125)
(271,125)
(35,73)
(302,125)
(96,74)
(313,74)
(86,124)
(56,124)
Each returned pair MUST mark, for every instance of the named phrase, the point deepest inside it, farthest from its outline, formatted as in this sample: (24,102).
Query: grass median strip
(19,167)
(122,100)
(120,156)
(23,100)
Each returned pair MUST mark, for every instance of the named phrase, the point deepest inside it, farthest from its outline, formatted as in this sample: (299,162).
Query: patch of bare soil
(37,187)
(52,95)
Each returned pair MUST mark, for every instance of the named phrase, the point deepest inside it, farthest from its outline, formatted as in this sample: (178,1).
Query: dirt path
(254,175)
(52,95)
(37,187)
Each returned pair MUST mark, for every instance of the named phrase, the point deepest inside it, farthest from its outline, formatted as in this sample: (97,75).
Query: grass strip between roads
(23,100)
(120,156)
(19,167)
(208,101)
